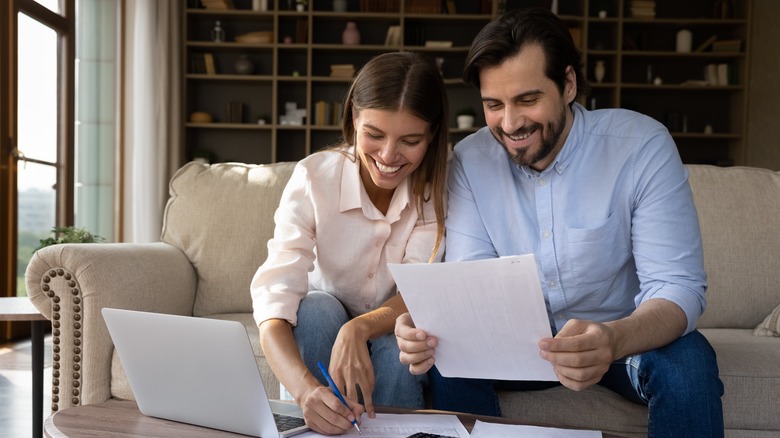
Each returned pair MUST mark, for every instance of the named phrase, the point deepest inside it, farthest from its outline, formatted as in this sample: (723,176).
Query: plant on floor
(69,235)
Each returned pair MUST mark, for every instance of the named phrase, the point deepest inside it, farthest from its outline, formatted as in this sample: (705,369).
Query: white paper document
(403,425)
(488,315)
(495,430)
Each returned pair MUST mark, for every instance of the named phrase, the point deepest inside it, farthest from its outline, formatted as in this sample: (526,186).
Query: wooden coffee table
(122,418)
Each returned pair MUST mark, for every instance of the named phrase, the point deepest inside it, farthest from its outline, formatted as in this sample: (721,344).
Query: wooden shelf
(631,48)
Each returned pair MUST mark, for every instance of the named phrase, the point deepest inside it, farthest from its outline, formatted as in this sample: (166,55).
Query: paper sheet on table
(494,430)
(488,315)
(403,425)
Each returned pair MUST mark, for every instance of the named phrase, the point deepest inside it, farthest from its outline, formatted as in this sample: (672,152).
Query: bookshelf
(291,88)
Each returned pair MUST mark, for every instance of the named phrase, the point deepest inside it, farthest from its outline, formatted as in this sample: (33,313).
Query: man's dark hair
(508,33)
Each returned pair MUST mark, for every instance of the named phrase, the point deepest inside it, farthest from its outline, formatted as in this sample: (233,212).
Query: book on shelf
(379,5)
(235,112)
(342,70)
(208,61)
(721,74)
(423,6)
(301,30)
(706,44)
(643,8)
(222,5)
(438,44)
(576,35)
(393,37)
(197,64)
(322,113)
(727,45)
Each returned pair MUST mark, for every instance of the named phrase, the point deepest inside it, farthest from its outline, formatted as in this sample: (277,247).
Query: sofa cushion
(770,326)
(739,215)
(221,217)
(751,378)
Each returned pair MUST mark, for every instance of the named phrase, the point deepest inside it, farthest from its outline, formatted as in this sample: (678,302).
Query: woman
(325,292)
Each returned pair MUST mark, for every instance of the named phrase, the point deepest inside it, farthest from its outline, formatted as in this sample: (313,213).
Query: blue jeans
(678,383)
(320,317)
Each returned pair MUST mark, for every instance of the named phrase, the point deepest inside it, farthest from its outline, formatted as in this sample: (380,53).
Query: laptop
(199,371)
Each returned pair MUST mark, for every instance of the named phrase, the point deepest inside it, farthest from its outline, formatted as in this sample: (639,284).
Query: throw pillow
(770,326)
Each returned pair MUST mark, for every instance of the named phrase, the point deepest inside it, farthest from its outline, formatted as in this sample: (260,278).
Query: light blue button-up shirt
(611,221)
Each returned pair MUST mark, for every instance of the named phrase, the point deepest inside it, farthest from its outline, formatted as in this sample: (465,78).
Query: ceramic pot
(244,65)
(599,70)
(465,121)
(351,34)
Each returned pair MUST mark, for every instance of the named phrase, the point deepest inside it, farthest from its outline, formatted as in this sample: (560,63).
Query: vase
(599,70)
(684,39)
(351,34)
(244,65)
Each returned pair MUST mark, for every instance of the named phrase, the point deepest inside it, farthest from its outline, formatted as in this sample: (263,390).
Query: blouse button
(371,275)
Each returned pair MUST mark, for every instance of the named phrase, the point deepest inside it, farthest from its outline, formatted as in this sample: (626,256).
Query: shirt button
(367,306)
(547,234)
(371,275)
(542,182)
(552,283)
(559,316)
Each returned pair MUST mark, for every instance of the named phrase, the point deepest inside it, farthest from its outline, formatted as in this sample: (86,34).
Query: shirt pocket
(597,254)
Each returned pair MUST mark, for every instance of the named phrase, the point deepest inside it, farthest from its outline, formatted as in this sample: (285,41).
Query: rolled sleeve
(281,282)
(666,236)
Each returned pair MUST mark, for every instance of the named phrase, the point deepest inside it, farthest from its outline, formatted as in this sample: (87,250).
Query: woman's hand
(350,364)
(325,413)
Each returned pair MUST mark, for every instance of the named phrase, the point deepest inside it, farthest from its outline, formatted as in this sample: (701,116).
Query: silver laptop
(199,371)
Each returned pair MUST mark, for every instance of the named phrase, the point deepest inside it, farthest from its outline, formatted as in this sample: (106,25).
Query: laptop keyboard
(286,422)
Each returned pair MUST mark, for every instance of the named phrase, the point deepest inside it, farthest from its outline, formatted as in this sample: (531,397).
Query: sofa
(219,218)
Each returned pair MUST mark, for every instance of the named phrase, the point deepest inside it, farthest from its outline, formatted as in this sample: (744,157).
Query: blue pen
(336,391)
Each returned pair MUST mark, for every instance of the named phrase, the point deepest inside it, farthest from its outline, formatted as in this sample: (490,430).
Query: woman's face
(390,145)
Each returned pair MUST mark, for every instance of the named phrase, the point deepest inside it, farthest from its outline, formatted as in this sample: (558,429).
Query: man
(602,200)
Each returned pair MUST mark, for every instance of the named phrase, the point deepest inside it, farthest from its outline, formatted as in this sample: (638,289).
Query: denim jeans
(678,383)
(320,317)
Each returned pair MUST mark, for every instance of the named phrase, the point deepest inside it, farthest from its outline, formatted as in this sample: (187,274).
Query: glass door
(37,131)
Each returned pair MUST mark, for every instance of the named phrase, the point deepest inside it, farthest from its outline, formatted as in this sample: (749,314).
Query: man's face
(524,109)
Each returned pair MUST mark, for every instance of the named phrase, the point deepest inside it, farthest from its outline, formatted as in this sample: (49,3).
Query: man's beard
(528,156)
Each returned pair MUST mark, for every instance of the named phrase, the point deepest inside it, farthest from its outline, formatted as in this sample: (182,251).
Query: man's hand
(581,353)
(417,348)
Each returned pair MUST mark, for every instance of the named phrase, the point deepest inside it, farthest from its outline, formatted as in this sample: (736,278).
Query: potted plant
(300,5)
(465,118)
(69,235)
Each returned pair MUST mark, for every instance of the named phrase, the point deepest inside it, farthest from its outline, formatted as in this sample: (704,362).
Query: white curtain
(151,116)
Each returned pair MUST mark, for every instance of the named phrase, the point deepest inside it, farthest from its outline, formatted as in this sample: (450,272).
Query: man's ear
(570,85)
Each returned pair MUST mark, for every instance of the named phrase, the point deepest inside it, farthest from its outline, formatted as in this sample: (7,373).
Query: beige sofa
(216,226)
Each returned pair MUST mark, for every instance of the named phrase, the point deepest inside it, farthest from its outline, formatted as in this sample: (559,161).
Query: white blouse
(330,237)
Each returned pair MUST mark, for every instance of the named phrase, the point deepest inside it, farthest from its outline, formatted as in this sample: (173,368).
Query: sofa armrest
(71,283)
